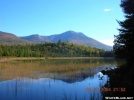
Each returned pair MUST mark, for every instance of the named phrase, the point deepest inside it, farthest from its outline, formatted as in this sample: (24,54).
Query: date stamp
(106,89)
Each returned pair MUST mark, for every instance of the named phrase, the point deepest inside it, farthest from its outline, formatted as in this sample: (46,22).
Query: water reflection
(53,79)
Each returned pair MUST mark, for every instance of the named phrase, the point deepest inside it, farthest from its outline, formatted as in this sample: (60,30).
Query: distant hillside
(9,39)
(70,36)
(35,38)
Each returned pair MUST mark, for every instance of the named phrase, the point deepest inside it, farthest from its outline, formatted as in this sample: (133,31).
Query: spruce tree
(124,42)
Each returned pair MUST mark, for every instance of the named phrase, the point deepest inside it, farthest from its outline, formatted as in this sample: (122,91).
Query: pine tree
(124,42)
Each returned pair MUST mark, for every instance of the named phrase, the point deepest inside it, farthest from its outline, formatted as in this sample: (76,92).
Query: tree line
(59,49)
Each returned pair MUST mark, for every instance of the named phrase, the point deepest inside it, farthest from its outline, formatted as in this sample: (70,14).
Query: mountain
(70,36)
(34,38)
(9,38)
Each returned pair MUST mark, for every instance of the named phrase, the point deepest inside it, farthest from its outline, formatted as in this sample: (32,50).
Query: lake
(53,79)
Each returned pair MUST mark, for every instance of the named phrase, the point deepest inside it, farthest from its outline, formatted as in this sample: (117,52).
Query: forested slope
(58,49)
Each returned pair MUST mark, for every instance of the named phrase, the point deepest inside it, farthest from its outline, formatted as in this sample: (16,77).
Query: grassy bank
(121,82)
(5,59)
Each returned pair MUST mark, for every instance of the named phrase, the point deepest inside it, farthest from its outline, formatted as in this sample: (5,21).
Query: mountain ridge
(9,39)
(70,36)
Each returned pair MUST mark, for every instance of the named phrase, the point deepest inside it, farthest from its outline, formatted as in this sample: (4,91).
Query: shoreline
(120,78)
(5,59)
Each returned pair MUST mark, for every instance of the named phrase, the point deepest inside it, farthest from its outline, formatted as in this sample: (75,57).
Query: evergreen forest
(48,49)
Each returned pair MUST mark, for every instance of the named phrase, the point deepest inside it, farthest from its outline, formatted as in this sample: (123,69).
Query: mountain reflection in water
(53,79)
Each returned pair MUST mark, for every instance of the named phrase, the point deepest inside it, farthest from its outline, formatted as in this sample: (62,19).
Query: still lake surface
(79,79)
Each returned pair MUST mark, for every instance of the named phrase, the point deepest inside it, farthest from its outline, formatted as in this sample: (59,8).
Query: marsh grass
(34,68)
(5,59)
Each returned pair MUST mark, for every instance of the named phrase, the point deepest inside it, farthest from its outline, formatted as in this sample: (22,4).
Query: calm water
(53,79)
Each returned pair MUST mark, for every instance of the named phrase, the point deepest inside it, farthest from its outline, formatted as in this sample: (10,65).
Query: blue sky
(95,18)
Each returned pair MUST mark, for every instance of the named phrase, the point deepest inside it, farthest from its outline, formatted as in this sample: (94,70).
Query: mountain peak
(70,31)
(35,35)
(33,38)
(73,33)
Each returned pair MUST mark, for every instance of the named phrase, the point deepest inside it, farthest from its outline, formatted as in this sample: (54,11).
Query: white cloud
(107,9)
(107,42)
